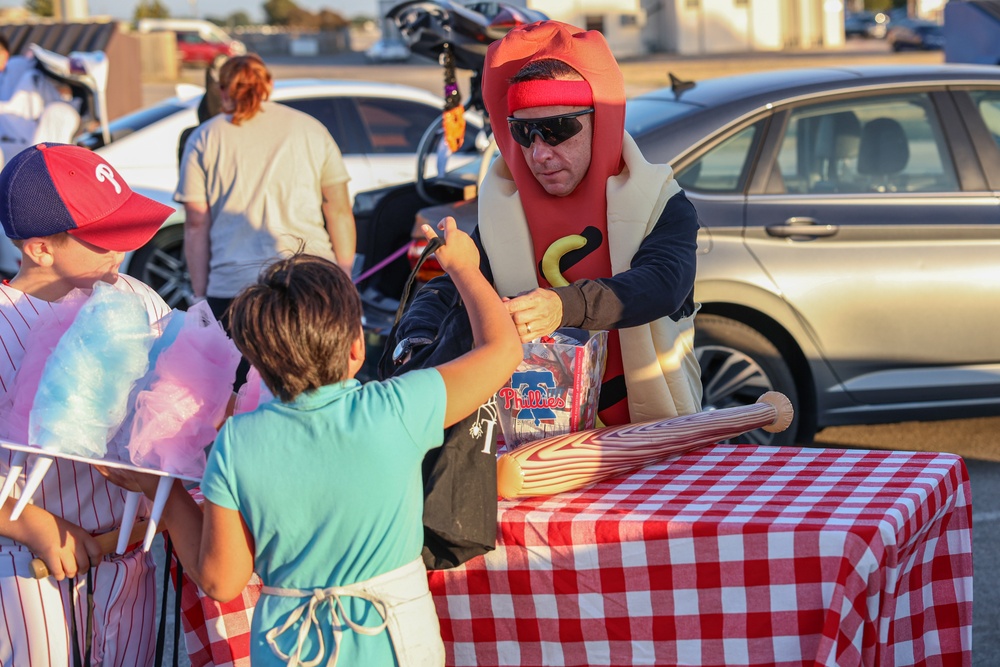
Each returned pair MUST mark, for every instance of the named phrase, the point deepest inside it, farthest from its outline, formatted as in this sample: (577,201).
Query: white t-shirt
(21,105)
(262,181)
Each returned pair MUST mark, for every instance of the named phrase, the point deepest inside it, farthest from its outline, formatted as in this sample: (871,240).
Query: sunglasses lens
(521,131)
(553,130)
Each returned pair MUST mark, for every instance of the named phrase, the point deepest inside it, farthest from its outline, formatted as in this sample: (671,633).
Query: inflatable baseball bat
(575,460)
(108,542)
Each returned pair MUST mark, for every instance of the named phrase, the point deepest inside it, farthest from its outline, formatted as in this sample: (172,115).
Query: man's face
(559,169)
(4,57)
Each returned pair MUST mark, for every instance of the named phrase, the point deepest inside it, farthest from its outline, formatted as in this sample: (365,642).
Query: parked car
(198,41)
(388,51)
(378,128)
(866,24)
(848,256)
(916,34)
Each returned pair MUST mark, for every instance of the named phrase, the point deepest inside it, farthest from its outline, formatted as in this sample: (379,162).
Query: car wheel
(161,265)
(738,364)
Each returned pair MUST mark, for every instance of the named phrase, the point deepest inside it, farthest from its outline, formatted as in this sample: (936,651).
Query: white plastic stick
(128,519)
(17,460)
(35,477)
(162,493)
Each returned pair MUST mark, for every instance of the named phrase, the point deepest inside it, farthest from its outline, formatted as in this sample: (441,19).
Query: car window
(339,117)
(126,125)
(395,126)
(878,144)
(988,103)
(723,168)
(189,38)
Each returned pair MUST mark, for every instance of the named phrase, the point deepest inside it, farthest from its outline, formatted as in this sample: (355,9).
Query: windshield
(213,37)
(126,125)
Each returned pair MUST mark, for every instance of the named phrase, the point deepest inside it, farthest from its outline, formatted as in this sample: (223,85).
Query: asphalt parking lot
(976,440)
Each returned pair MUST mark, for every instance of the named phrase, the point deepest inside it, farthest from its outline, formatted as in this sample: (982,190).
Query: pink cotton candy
(252,394)
(179,413)
(45,335)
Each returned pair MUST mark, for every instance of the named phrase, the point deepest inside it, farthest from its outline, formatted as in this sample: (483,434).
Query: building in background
(70,10)
(697,27)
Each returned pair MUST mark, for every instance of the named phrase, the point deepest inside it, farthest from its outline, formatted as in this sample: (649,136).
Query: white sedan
(377,126)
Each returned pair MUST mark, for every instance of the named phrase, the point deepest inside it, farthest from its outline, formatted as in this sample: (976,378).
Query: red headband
(549,92)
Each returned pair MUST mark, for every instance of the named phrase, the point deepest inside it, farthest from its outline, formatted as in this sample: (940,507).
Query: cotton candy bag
(177,416)
(45,334)
(83,392)
(252,394)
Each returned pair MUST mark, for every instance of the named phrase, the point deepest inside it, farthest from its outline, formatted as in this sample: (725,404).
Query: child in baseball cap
(55,196)
(73,218)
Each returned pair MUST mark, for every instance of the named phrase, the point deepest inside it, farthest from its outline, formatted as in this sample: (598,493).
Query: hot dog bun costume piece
(615,206)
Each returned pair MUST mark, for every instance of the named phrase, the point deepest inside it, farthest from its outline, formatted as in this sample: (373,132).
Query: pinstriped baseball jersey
(34,615)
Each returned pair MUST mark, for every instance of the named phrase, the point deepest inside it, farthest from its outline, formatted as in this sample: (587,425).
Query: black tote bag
(460,477)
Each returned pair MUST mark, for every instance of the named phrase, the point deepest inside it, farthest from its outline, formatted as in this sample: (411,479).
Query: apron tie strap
(308,612)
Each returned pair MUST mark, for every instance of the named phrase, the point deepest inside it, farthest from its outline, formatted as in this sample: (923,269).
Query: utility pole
(70,10)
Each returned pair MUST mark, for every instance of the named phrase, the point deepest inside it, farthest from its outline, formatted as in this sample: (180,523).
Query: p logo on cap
(104,172)
(53,188)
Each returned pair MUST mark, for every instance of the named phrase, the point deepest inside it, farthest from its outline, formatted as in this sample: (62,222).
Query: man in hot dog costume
(577,228)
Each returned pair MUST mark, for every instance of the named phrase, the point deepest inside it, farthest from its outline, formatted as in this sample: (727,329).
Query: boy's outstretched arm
(212,543)
(472,378)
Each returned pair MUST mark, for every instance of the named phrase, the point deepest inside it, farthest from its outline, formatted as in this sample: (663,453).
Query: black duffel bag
(460,477)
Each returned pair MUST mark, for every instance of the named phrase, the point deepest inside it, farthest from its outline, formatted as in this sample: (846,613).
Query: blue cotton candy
(83,394)
(171,324)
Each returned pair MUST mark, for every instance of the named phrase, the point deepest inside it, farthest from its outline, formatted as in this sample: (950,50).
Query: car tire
(738,365)
(161,265)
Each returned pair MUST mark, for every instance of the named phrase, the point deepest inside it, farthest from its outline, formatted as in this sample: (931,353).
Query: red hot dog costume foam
(621,196)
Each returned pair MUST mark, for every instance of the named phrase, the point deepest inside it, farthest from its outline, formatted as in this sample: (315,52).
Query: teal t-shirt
(330,487)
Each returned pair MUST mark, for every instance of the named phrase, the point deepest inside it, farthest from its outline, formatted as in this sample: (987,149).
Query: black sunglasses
(553,130)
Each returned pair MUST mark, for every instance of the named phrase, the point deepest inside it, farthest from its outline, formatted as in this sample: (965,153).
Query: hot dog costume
(635,276)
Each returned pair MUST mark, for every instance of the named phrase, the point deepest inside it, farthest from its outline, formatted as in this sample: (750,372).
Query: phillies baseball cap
(51,188)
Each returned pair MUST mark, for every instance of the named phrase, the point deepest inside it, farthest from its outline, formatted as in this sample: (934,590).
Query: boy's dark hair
(546,68)
(297,323)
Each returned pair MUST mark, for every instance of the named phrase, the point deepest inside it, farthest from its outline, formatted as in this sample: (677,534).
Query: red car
(198,42)
(194,48)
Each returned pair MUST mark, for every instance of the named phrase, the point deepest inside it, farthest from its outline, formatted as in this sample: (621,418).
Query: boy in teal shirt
(321,490)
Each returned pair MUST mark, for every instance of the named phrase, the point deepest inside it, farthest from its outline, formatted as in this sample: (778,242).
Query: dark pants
(220,308)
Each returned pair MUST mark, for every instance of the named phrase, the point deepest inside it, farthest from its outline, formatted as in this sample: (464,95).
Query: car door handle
(801,227)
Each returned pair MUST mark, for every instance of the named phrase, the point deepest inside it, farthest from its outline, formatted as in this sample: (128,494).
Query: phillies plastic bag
(555,388)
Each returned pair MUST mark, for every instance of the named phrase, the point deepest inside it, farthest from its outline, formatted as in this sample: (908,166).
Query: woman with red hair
(259,180)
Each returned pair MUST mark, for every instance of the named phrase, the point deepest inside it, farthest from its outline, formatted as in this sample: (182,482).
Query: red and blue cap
(51,188)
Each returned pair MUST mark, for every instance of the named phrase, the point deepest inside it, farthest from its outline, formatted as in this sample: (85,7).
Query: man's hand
(535,313)
(459,252)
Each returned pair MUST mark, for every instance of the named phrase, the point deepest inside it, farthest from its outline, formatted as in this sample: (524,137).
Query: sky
(125,9)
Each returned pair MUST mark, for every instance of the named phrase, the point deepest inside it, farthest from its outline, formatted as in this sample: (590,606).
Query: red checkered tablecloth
(729,555)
